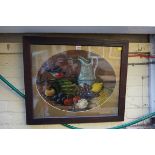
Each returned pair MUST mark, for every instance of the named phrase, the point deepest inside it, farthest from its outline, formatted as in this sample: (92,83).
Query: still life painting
(74,83)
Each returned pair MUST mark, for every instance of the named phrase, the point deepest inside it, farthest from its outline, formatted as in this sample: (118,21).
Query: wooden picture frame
(29,41)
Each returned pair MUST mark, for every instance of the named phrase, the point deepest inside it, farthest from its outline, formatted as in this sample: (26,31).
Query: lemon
(96,87)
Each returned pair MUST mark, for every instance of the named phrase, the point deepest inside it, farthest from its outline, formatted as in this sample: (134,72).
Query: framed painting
(74,80)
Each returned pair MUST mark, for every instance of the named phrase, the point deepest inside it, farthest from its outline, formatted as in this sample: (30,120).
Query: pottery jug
(87,72)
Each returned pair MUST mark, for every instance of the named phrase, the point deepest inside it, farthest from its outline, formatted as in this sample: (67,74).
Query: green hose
(11,86)
(70,126)
(124,125)
(134,121)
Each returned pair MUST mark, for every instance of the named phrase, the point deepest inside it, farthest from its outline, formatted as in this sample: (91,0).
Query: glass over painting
(71,81)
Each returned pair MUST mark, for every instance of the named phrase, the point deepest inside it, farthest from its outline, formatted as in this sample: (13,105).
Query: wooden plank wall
(12,108)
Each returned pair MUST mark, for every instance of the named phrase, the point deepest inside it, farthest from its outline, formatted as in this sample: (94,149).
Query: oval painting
(75,80)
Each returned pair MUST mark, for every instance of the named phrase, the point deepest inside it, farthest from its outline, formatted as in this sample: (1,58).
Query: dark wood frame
(153,120)
(35,40)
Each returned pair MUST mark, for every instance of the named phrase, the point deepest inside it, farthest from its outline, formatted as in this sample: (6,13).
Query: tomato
(68,101)
(76,99)
(59,75)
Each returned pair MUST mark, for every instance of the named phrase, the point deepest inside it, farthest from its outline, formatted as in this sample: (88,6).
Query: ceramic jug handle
(95,67)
